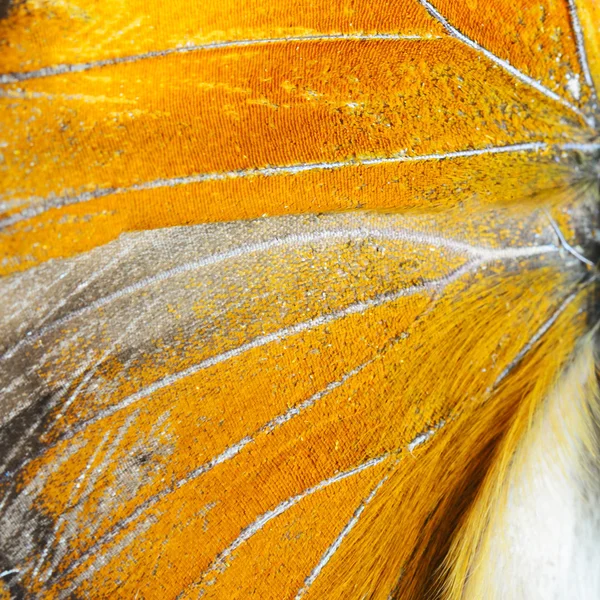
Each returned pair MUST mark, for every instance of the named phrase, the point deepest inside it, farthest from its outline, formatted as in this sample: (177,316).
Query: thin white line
(425,436)
(6,494)
(9,572)
(284,333)
(29,95)
(258,247)
(277,421)
(417,441)
(42,205)
(114,551)
(84,369)
(534,83)
(536,336)
(35,486)
(356,308)
(263,519)
(220,561)
(294,411)
(563,242)
(291,240)
(83,285)
(75,510)
(338,541)
(25,437)
(14,313)
(62,69)
(276,336)
(580,42)
(226,455)
(490,255)
(510,253)
(587,148)
(61,519)
(90,372)
(258,523)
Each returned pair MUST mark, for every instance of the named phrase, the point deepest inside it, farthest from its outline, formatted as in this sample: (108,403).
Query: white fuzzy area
(574,86)
(545,542)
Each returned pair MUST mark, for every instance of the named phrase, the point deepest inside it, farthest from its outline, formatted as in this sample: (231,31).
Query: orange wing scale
(223,392)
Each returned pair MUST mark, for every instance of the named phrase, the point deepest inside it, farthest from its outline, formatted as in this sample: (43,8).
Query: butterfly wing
(213,408)
(236,112)
(300,405)
(584,16)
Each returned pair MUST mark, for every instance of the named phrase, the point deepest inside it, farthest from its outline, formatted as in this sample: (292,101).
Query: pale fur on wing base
(534,532)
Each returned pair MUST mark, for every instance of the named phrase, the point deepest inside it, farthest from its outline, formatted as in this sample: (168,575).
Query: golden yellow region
(589,12)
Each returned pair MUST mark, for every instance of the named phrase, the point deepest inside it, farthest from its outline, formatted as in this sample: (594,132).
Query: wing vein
(293,240)
(279,335)
(504,64)
(66,68)
(220,563)
(337,543)
(432,286)
(227,454)
(42,205)
(262,520)
(539,333)
(580,42)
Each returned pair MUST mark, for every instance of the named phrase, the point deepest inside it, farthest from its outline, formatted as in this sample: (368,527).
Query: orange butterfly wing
(299,405)
(173,121)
